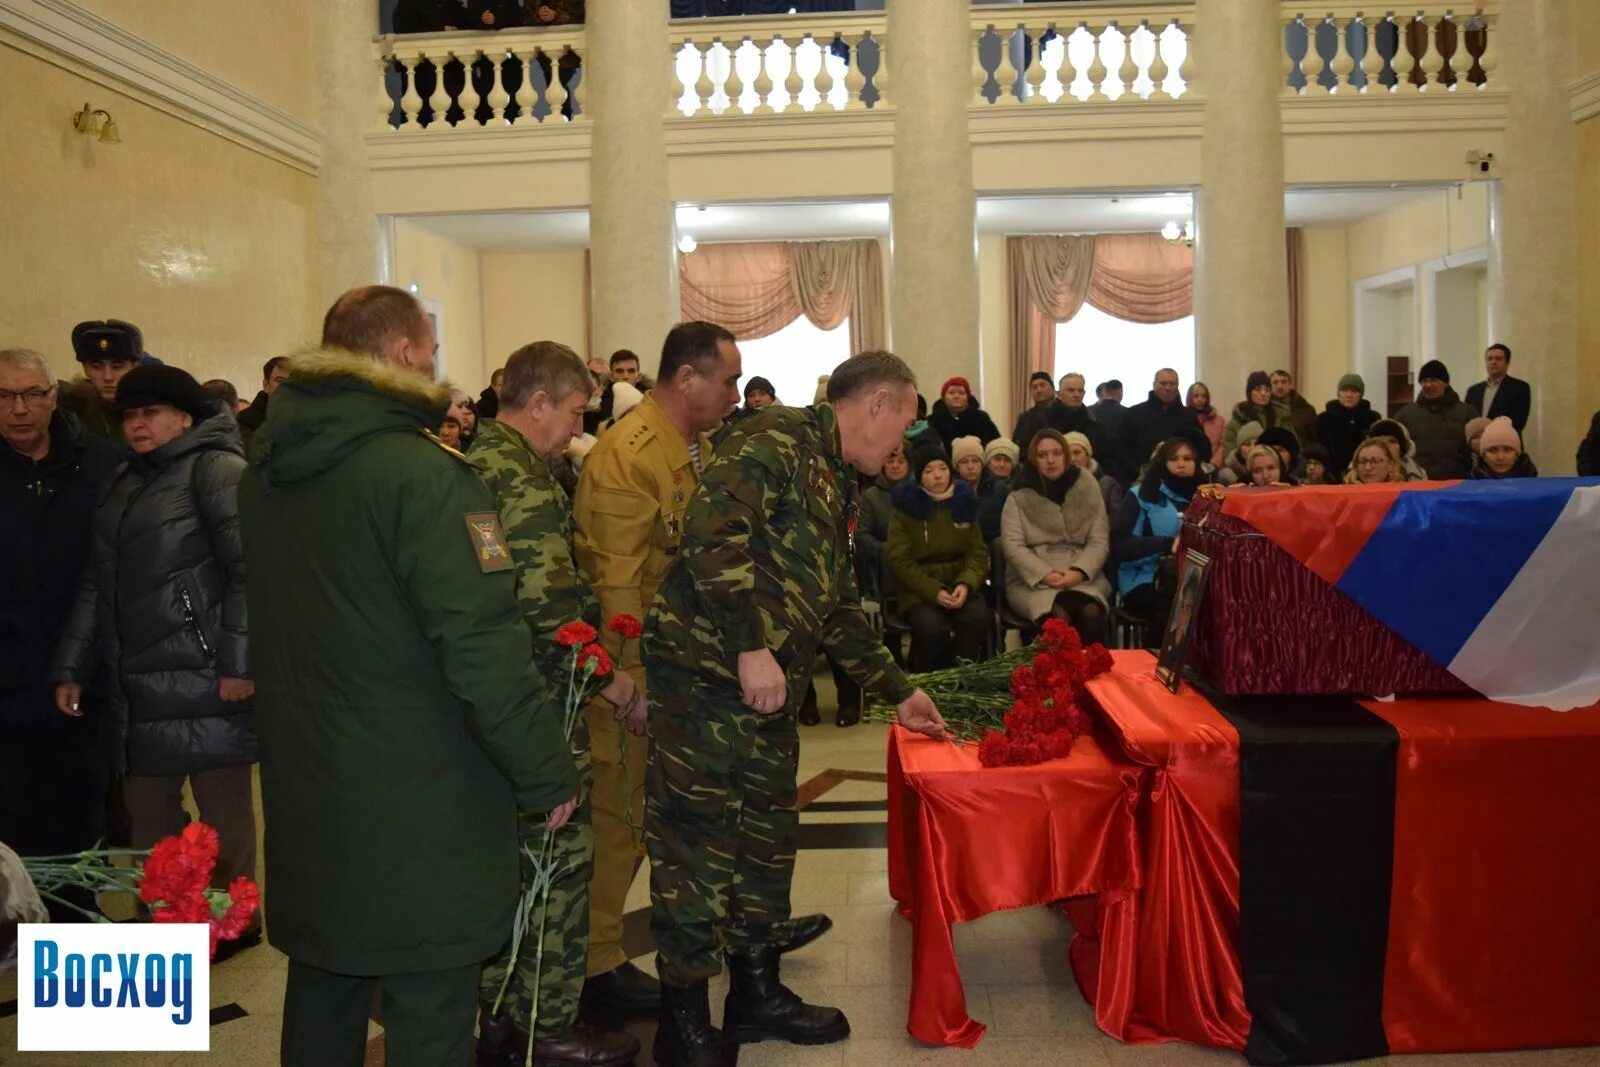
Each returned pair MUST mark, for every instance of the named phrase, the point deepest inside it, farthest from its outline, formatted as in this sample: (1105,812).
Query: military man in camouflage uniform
(543,396)
(762,581)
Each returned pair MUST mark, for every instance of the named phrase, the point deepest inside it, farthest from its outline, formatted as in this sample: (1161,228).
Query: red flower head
(994,750)
(576,633)
(244,898)
(1096,660)
(1059,636)
(1025,683)
(592,652)
(179,866)
(626,626)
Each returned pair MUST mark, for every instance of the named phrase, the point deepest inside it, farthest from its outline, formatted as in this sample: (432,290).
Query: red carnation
(576,633)
(602,662)
(994,750)
(626,626)
(179,866)
(1097,660)
(1025,683)
(244,898)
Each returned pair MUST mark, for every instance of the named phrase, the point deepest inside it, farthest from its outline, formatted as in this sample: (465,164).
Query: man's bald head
(383,322)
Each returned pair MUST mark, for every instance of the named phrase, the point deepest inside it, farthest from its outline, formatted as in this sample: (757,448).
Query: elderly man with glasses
(52,776)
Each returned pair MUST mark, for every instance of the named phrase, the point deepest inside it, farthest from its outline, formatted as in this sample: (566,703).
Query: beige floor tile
(1014,962)
(783,1054)
(248,1042)
(869,887)
(1177,1054)
(1040,1010)
(817,818)
(813,889)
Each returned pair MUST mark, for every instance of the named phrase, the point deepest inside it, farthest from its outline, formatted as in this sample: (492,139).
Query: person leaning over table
(1055,537)
(762,581)
(937,550)
(1266,467)
(1397,434)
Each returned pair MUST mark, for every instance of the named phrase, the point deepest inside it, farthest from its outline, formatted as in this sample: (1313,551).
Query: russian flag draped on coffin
(1497,581)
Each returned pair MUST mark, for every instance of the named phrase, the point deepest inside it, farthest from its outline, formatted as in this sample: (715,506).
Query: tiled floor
(1014,965)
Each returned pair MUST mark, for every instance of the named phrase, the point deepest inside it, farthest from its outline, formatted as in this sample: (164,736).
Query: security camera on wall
(1482,163)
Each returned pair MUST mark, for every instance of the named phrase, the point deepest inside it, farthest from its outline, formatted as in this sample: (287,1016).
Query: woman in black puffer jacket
(161,605)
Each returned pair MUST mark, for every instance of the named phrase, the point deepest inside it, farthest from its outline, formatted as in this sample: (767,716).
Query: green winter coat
(402,719)
(934,547)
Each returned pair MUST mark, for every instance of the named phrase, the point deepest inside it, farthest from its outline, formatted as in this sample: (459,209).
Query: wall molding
(118,59)
(1586,97)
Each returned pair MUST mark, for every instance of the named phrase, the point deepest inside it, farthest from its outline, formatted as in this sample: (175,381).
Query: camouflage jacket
(536,516)
(765,560)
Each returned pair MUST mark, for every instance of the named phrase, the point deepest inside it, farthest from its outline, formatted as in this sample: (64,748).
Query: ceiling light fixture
(97,121)
(687,244)
(1179,234)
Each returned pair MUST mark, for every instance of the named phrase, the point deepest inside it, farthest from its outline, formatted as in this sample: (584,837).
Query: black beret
(112,339)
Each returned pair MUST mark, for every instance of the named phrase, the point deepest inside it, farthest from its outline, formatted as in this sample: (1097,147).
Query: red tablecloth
(965,841)
(1494,931)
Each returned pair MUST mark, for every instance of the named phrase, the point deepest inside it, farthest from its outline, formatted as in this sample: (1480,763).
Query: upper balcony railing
(1116,52)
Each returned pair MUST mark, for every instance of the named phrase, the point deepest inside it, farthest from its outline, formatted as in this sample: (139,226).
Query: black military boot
(499,1043)
(803,931)
(685,1036)
(759,1006)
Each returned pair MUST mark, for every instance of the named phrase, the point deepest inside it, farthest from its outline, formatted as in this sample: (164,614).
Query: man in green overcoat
(403,720)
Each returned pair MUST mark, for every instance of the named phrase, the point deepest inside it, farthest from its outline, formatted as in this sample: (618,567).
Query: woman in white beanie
(1080,450)
(999,464)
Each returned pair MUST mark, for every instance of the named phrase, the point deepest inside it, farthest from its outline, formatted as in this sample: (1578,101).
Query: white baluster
(1432,58)
(498,97)
(824,77)
(1158,66)
(1068,73)
(793,84)
(1187,69)
(736,82)
(1343,63)
(1314,64)
(555,94)
(469,92)
(410,101)
(854,80)
(382,106)
(526,96)
(1097,71)
(763,84)
(1128,69)
(1490,60)
(1034,75)
(1015,76)
(1404,61)
(880,77)
(1447,64)
(704,89)
(440,100)
(1289,63)
(980,74)
(1371,58)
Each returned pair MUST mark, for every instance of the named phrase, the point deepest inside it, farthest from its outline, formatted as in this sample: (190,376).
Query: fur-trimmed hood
(335,402)
(914,500)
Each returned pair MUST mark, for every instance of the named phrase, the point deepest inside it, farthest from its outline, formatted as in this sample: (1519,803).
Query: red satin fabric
(1494,924)
(1162,965)
(1245,641)
(965,841)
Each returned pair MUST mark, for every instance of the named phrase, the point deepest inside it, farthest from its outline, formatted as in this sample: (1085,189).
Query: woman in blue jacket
(1148,523)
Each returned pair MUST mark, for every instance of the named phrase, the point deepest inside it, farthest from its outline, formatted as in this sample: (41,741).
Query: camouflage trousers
(565,919)
(720,822)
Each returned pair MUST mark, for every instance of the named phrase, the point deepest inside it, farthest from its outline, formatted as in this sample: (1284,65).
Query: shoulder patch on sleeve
(488,541)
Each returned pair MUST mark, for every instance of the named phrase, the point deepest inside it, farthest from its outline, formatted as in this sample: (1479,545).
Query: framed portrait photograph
(1195,567)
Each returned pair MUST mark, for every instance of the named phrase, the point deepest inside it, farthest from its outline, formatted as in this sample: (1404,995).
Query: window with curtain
(793,358)
(1101,347)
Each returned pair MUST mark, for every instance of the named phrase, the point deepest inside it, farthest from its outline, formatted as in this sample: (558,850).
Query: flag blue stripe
(1439,560)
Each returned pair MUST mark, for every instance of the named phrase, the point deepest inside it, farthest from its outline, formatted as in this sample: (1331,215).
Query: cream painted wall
(264,49)
(1325,312)
(994,333)
(1417,233)
(534,296)
(448,274)
(1588,383)
(206,246)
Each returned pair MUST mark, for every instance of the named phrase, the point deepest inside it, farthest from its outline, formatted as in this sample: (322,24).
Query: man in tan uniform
(628,513)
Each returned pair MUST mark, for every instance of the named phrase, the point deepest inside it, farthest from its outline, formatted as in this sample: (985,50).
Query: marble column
(633,272)
(1241,275)
(1536,239)
(934,312)
(347,225)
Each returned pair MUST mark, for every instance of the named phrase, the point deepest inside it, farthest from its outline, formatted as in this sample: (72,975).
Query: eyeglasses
(32,397)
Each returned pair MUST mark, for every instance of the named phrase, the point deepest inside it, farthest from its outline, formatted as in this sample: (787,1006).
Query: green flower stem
(92,915)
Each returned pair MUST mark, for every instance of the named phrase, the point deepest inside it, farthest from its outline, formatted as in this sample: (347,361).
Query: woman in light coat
(1056,539)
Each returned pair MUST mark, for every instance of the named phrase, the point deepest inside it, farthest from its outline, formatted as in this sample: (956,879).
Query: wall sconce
(97,122)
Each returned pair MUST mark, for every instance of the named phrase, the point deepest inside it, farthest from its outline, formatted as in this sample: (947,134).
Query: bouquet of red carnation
(174,880)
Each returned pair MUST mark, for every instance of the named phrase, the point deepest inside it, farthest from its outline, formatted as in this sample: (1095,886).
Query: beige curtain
(1049,281)
(835,280)
(1142,277)
(1294,242)
(756,289)
(743,287)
